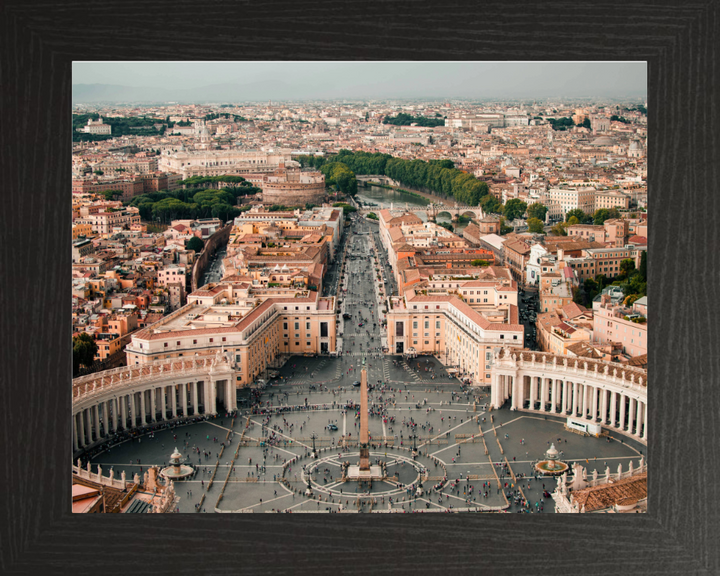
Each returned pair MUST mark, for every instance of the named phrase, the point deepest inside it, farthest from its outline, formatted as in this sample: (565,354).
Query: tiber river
(385,197)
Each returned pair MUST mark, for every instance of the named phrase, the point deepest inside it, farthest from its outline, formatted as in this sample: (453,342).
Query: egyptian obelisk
(364,447)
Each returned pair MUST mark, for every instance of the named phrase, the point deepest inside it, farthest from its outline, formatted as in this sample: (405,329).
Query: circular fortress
(293,187)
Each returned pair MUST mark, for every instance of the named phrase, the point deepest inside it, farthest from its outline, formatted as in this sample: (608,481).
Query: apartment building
(450,327)
(255,329)
(624,326)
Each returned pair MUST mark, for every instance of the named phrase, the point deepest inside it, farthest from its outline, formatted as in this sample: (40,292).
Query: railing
(126,376)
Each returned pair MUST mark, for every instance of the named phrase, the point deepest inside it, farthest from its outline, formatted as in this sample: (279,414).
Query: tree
(195,243)
(643,266)
(84,350)
(535,225)
(580,215)
(504,229)
(490,204)
(573,220)
(514,208)
(481,263)
(111,194)
(373,216)
(586,123)
(537,210)
(560,229)
(603,214)
(627,266)
(447,226)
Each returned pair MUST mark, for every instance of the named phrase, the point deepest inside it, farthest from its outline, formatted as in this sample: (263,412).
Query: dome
(603,141)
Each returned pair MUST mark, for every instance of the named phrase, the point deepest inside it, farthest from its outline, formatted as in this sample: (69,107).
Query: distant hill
(230,92)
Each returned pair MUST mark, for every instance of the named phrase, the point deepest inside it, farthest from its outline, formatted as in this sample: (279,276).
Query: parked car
(356,383)
(332,427)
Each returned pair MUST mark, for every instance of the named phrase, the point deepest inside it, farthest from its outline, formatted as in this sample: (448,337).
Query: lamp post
(314,449)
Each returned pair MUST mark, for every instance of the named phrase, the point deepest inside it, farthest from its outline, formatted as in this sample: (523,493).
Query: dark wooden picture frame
(679,534)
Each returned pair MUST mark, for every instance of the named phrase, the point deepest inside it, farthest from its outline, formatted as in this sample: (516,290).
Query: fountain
(551,466)
(176,470)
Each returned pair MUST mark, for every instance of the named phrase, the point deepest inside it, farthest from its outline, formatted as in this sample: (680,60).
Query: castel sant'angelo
(293,186)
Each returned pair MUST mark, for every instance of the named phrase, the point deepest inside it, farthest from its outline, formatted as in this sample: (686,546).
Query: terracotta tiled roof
(605,496)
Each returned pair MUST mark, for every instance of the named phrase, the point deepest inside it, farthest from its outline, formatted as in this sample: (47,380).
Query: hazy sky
(381,79)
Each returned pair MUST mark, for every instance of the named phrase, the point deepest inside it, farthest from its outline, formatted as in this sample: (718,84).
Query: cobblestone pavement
(457,447)
(446,420)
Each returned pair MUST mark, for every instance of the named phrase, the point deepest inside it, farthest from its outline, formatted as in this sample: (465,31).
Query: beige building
(221,162)
(582,197)
(449,327)
(255,330)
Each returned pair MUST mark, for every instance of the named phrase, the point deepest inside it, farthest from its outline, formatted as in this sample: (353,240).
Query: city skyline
(297,81)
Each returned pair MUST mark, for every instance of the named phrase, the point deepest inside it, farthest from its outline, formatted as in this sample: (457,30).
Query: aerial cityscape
(305,287)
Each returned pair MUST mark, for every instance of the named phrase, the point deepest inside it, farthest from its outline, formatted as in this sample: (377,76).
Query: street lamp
(314,449)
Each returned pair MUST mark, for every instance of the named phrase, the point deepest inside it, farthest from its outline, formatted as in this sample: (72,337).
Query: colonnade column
(123,411)
(556,395)
(229,395)
(593,403)
(603,406)
(75,433)
(173,400)
(195,397)
(543,393)
(638,417)
(142,407)
(515,393)
(153,404)
(206,396)
(81,430)
(644,432)
(86,427)
(632,408)
(184,399)
(134,410)
(613,408)
(96,416)
(575,399)
(164,393)
(566,399)
(212,384)
(533,391)
(623,400)
(113,409)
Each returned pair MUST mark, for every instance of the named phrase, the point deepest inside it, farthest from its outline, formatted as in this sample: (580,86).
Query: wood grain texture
(38,42)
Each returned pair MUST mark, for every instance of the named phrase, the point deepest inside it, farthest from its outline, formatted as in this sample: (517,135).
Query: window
(307,344)
(437,324)
(307,325)
(211,339)
(297,325)
(224,339)
(178,342)
(166,345)
(284,325)
(502,336)
(427,324)
(194,342)
(414,325)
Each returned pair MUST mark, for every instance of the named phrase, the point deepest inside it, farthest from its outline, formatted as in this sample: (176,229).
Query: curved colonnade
(606,393)
(121,399)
